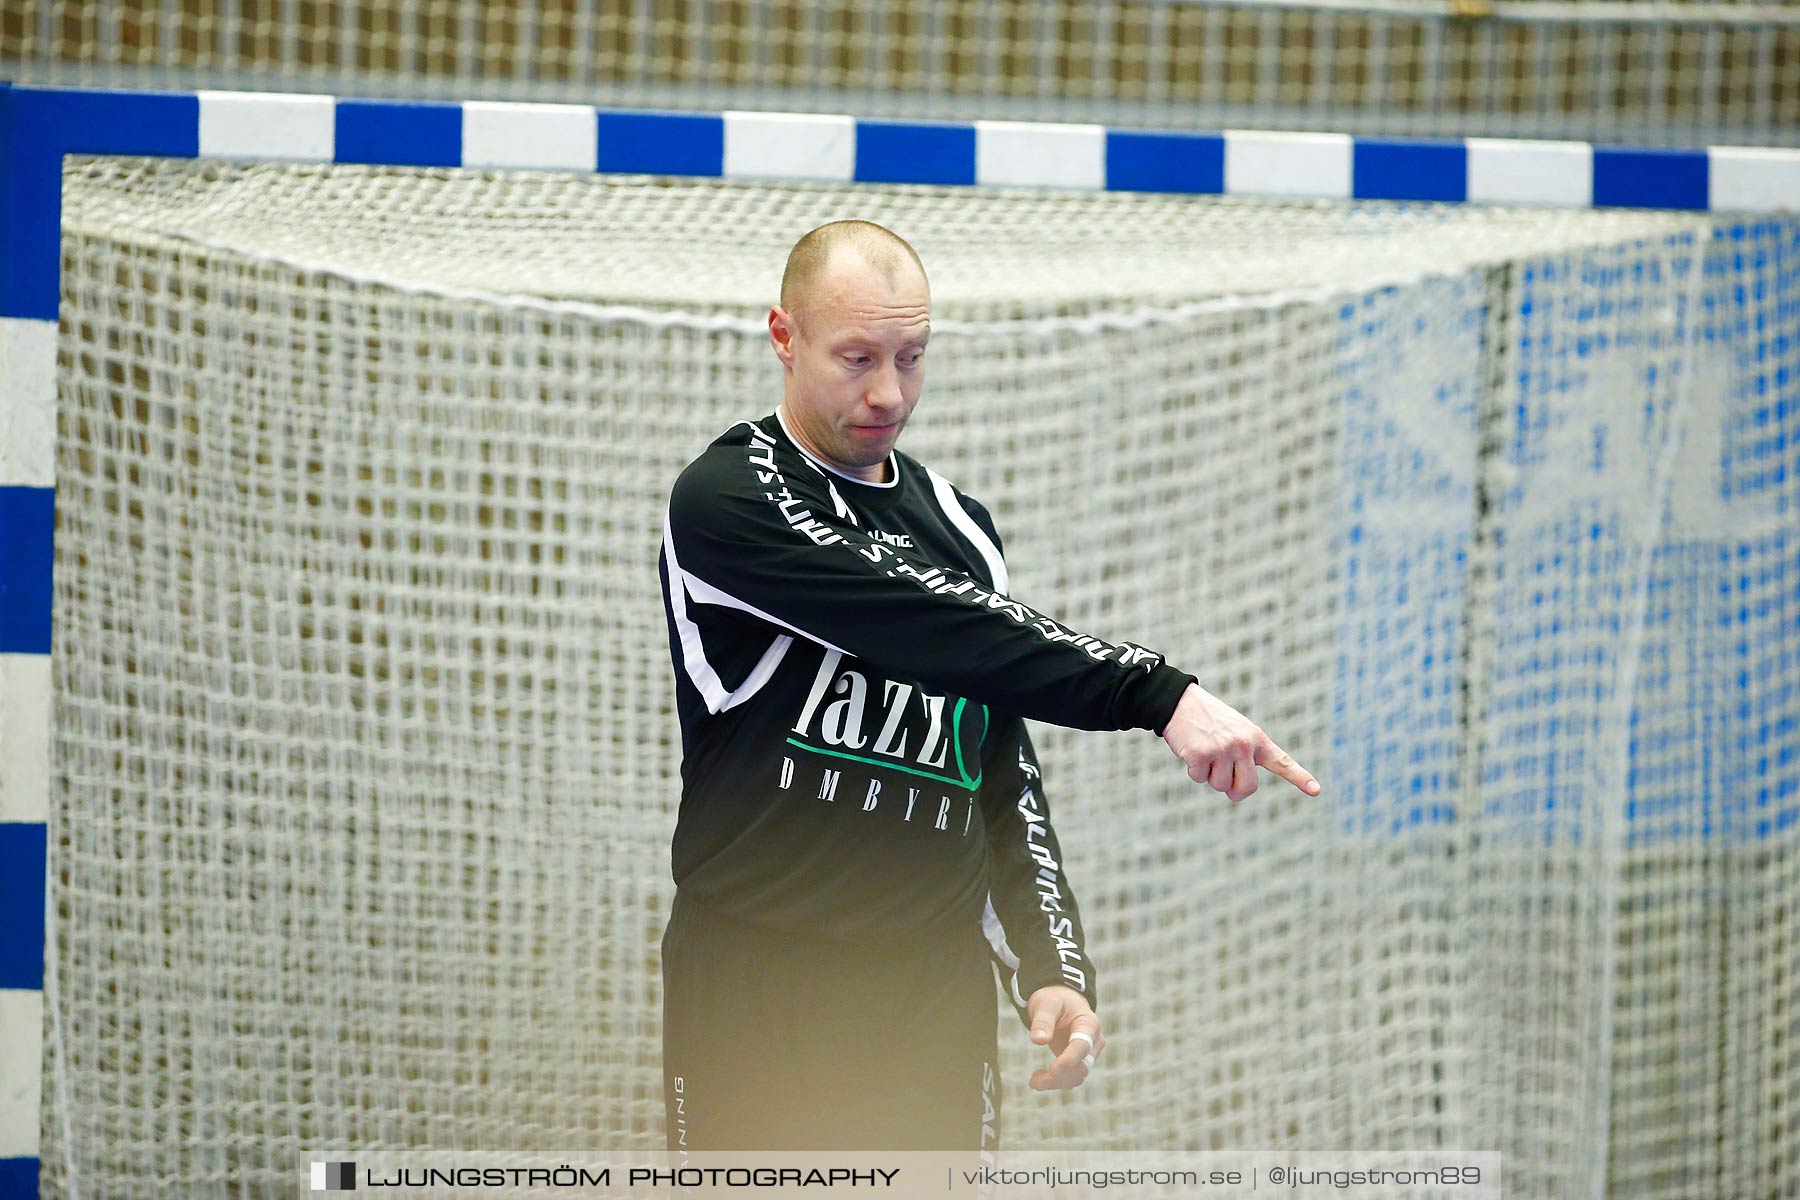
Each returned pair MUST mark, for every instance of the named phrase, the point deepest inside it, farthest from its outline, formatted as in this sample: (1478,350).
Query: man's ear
(782,333)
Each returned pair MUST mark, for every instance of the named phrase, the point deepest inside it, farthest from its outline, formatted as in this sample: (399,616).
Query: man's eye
(856,362)
(912,360)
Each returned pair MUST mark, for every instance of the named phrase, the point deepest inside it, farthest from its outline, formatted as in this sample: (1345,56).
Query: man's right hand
(1221,746)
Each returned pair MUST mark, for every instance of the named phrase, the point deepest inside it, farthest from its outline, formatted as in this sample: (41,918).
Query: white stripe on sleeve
(966,525)
(693,650)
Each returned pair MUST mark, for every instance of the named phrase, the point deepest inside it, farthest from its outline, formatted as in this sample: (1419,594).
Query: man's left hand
(1057,1015)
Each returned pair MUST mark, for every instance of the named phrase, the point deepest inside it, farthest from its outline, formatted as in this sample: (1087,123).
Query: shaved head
(810,260)
(850,332)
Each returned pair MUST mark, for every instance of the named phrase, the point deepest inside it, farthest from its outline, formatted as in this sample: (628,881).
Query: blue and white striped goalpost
(39,126)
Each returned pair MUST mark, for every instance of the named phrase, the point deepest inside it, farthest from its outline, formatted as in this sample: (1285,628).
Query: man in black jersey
(863,831)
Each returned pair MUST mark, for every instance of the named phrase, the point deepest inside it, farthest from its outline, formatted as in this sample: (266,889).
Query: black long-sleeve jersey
(850,678)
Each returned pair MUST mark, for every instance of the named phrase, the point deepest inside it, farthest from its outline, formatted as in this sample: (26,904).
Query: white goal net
(365,759)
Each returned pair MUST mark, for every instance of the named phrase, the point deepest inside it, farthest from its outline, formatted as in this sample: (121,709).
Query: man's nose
(884,388)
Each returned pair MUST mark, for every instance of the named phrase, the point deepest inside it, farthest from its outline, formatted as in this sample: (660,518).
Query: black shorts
(772,1041)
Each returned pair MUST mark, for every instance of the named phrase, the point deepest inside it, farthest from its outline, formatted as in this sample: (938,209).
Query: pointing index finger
(1281,763)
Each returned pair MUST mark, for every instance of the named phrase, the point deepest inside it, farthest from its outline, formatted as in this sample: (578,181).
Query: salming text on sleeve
(1033,922)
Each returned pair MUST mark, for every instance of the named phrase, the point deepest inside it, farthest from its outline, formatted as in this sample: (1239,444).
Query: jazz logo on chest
(888,723)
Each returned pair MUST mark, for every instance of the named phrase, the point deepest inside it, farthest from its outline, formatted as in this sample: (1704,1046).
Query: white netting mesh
(364,720)
(1643,71)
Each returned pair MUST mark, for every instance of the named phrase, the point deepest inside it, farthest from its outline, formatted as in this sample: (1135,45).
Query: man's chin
(867,450)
